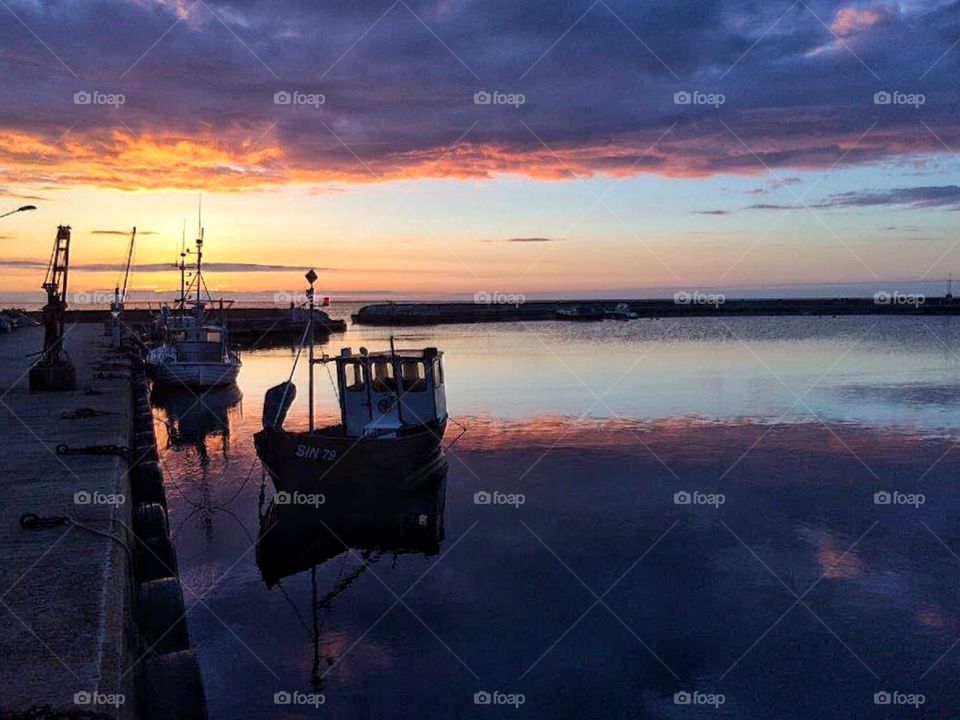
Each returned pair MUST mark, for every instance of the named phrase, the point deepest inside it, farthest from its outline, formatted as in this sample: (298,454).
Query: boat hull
(193,375)
(325,459)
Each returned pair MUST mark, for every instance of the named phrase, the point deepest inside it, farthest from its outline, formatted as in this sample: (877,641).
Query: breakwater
(691,305)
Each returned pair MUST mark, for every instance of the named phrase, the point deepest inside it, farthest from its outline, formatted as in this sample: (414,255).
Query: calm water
(600,595)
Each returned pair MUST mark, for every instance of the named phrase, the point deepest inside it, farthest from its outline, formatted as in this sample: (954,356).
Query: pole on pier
(311,277)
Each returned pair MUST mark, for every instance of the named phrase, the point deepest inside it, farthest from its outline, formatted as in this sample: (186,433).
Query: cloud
(532,240)
(199,109)
(851,21)
(710,212)
(911,197)
(124,233)
(29,264)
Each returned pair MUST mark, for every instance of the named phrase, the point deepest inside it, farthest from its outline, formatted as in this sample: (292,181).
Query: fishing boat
(393,414)
(193,351)
(582,313)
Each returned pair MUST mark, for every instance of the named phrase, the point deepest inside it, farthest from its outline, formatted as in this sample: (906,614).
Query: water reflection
(191,419)
(364,523)
(188,421)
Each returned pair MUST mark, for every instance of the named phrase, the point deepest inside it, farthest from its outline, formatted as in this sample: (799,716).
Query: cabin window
(414,376)
(437,372)
(383,380)
(213,337)
(353,377)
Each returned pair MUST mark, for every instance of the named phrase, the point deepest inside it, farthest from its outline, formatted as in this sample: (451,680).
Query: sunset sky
(817,147)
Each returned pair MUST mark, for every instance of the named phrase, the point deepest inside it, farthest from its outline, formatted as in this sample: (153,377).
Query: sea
(676,518)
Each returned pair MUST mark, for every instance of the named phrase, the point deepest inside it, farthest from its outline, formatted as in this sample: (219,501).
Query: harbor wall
(75,550)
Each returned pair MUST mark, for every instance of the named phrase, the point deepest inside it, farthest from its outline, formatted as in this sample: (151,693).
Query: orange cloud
(235,160)
(851,21)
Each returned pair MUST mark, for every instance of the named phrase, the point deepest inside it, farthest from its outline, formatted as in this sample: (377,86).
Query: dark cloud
(532,240)
(711,212)
(912,197)
(399,80)
(930,196)
(124,233)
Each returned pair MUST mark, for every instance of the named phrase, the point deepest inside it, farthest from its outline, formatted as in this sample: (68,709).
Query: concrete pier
(67,639)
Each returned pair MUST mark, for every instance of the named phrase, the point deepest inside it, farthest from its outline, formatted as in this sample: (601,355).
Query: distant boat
(621,311)
(582,313)
(193,351)
(393,413)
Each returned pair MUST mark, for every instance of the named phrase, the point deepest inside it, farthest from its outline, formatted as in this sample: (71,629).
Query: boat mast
(311,277)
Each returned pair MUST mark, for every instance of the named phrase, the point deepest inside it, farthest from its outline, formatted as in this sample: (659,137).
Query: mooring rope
(32,521)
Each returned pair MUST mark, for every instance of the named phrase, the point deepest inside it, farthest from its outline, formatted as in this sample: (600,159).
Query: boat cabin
(384,392)
(198,343)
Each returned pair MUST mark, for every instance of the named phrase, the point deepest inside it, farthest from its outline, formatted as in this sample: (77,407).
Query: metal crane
(119,297)
(54,371)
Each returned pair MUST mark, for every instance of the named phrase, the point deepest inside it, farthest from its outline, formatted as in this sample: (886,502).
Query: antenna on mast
(949,295)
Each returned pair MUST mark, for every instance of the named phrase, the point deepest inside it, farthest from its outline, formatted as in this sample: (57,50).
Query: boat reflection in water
(363,522)
(192,418)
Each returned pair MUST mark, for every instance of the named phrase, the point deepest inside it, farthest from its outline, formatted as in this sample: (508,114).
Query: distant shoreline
(692,305)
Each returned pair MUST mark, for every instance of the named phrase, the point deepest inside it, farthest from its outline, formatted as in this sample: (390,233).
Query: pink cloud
(851,21)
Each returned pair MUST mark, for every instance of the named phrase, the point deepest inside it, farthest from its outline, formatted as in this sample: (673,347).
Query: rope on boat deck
(32,521)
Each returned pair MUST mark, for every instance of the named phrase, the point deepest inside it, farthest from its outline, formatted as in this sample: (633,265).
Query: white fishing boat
(193,351)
